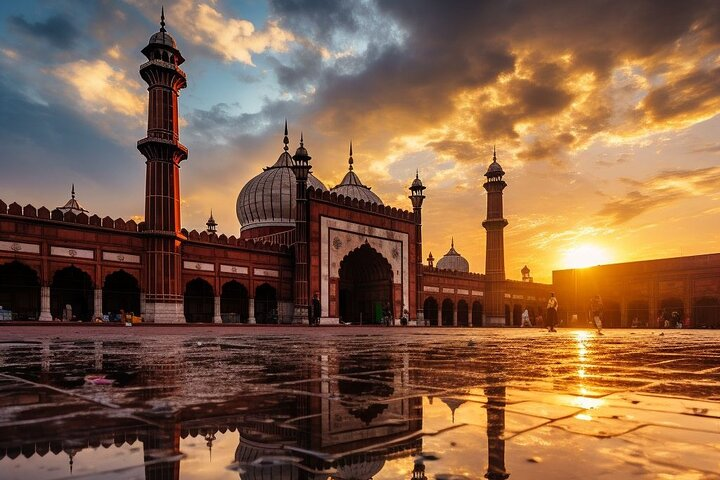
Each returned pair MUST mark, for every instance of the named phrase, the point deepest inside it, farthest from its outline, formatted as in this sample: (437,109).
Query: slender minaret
(417,197)
(301,168)
(164,152)
(494,247)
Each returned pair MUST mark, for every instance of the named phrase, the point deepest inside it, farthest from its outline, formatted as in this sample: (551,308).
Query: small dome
(352,187)
(164,39)
(268,199)
(494,170)
(453,261)
(525,270)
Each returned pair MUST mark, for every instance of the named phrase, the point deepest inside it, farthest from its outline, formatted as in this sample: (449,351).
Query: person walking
(315,320)
(596,312)
(552,308)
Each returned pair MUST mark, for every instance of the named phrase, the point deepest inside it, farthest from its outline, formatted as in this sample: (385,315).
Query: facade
(298,238)
(645,294)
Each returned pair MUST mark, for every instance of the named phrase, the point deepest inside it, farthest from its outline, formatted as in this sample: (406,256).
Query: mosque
(298,238)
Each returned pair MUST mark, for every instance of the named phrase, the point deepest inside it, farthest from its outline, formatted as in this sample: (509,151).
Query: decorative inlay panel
(72,252)
(120,257)
(234,269)
(199,266)
(264,272)
(431,289)
(19,247)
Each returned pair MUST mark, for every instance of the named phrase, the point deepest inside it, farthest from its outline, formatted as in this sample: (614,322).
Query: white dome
(352,187)
(453,261)
(268,200)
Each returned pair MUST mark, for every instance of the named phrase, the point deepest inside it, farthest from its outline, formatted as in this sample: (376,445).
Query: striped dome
(452,260)
(268,200)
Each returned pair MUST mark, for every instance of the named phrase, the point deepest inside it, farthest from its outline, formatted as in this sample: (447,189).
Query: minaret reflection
(496,430)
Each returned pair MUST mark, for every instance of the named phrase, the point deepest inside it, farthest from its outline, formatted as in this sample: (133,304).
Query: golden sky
(604,113)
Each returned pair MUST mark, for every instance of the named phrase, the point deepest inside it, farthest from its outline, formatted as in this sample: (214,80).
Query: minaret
(495,246)
(301,168)
(211,224)
(164,152)
(417,197)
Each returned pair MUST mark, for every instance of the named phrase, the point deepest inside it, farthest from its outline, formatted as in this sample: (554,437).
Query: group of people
(387,315)
(551,311)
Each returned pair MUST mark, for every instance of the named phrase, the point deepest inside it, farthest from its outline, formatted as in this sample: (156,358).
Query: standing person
(387,314)
(405,317)
(552,308)
(315,309)
(596,311)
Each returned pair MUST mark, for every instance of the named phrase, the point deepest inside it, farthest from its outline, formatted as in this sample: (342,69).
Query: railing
(281,238)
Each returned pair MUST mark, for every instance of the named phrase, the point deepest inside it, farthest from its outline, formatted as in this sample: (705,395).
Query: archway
(448,309)
(670,305)
(508,319)
(477,314)
(71,286)
(234,302)
(706,313)
(266,304)
(366,281)
(462,314)
(640,310)
(121,291)
(611,314)
(430,310)
(517,315)
(199,301)
(20,291)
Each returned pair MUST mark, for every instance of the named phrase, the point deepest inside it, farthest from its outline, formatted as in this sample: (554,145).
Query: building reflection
(345,415)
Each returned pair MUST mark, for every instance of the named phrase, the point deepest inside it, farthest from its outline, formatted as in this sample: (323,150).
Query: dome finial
(494,155)
(302,141)
(417,173)
(350,159)
(162,19)
(72,192)
(285,139)
(452,242)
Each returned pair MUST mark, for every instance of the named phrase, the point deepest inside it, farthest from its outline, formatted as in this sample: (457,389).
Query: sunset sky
(604,113)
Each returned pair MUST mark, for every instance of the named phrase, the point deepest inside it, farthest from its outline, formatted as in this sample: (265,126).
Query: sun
(586,255)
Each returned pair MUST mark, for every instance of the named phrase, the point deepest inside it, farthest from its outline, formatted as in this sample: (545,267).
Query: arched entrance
(517,315)
(430,310)
(462,313)
(448,310)
(199,301)
(266,304)
(508,319)
(20,291)
(366,281)
(234,302)
(611,314)
(706,313)
(71,286)
(477,314)
(638,313)
(670,305)
(121,291)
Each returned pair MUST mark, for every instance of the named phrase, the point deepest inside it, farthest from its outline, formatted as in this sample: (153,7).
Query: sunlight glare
(586,255)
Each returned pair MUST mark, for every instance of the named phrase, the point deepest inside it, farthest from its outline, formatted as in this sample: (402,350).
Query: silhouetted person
(552,308)
(315,310)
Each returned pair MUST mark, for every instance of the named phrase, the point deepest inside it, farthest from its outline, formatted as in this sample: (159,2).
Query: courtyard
(356,403)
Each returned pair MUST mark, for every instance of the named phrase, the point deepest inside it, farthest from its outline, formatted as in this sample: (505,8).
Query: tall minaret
(301,168)
(417,197)
(164,152)
(495,246)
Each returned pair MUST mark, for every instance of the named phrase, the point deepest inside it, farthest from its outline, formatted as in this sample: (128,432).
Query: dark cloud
(57,30)
(693,92)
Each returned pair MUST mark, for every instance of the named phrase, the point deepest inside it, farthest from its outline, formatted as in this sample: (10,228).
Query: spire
(211,223)
(494,155)
(417,173)
(162,19)
(285,140)
(72,192)
(452,242)
(350,159)
(302,141)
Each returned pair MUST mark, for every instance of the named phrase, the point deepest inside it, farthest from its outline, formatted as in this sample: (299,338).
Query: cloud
(57,30)
(662,189)
(101,88)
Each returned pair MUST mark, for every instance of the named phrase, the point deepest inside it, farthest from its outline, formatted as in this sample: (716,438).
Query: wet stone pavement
(358,403)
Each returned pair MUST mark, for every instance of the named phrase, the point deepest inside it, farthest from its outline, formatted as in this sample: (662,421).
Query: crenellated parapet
(378,209)
(453,273)
(232,241)
(56,215)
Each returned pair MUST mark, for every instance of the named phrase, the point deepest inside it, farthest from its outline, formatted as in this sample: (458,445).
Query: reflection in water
(335,415)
